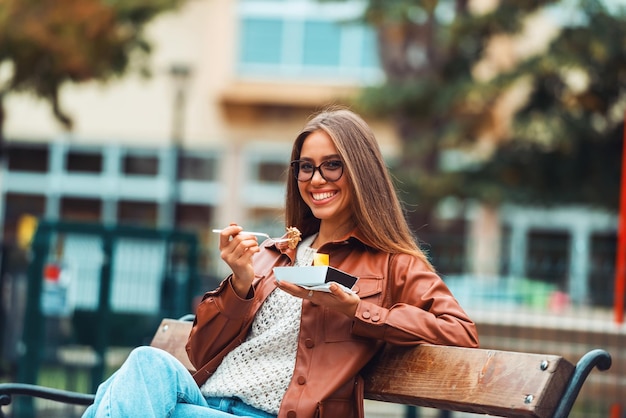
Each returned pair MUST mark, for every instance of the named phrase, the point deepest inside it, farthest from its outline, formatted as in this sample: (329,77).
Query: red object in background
(558,301)
(52,272)
(620,262)
(616,411)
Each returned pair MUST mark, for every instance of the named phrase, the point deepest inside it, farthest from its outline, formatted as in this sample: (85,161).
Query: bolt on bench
(481,381)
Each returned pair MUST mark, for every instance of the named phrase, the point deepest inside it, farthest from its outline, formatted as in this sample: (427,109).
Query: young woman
(264,348)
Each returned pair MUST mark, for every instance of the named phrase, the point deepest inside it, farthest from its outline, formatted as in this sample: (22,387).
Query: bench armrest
(7,390)
(594,358)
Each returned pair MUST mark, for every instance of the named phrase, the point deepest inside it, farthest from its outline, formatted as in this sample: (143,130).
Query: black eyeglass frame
(295,165)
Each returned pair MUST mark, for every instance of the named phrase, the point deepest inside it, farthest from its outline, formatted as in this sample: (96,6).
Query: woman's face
(329,200)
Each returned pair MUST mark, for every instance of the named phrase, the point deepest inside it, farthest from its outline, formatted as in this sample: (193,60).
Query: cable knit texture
(259,370)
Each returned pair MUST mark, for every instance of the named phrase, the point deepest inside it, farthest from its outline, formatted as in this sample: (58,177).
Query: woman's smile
(325,195)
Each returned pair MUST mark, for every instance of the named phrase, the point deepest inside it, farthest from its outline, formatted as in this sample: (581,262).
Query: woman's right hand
(237,251)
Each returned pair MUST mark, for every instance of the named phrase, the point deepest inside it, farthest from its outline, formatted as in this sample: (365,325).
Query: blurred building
(206,141)
(211,130)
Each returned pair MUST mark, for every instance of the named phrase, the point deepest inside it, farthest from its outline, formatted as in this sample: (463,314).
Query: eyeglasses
(330,170)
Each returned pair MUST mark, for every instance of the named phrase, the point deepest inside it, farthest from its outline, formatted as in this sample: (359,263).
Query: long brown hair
(376,208)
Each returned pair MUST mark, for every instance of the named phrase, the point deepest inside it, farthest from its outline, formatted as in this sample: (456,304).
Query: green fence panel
(114,291)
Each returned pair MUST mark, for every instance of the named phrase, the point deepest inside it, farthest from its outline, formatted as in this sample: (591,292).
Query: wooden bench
(492,382)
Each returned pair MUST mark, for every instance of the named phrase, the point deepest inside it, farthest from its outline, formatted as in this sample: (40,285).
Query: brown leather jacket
(402,303)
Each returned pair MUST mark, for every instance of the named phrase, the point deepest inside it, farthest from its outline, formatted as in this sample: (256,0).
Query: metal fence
(94,291)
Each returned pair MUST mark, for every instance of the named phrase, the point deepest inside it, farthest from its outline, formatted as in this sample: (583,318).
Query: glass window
(548,256)
(261,41)
(28,157)
(140,165)
(272,172)
(83,162)
(445,246)
(197,168)
(77,209)
(193,217)
(369,56)
(322,43)
(138,213)
(601,279)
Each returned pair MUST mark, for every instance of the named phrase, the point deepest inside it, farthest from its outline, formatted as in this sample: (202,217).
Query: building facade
(206,140)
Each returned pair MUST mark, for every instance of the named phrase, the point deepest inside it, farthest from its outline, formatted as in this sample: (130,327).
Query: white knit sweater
(259,370)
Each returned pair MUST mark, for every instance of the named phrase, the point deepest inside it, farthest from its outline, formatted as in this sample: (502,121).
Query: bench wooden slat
(171,336)
(499,383)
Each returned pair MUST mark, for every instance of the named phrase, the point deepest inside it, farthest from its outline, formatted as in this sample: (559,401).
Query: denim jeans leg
(242,409)
(186,410)
(236,408)
(150,383)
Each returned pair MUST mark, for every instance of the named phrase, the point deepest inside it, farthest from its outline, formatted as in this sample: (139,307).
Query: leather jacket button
(291,414)
(301,380)
(366,315)
(309,343)
(376,318)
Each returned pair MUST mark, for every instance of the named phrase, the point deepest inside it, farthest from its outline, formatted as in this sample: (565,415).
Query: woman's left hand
(337,299)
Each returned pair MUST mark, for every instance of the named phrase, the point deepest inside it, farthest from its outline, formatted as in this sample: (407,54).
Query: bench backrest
(499,383)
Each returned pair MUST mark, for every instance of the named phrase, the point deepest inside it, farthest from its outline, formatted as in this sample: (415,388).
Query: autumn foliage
(45,43)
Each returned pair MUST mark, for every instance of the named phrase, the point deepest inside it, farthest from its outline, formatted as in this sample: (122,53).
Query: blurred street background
(130,129)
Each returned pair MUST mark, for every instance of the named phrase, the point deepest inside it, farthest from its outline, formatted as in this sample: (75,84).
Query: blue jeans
(154,384)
